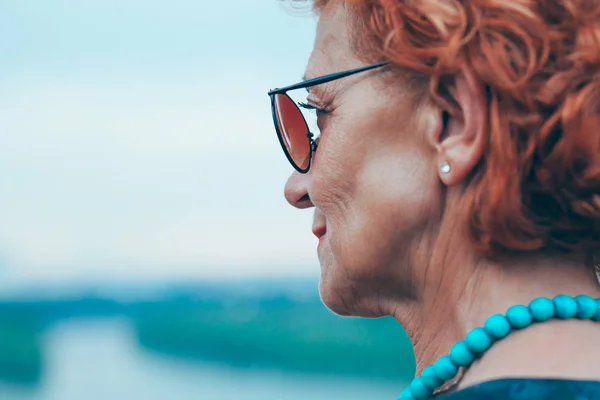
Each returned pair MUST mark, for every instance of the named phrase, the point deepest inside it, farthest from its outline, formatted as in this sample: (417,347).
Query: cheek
(375,185)
(395,198)
(396,183)
(387,215)
(335,169)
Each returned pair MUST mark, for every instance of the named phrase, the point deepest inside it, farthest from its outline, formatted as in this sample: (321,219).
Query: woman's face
(374,180)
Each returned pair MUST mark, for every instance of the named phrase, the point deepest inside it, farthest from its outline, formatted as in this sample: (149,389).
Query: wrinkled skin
(395,241)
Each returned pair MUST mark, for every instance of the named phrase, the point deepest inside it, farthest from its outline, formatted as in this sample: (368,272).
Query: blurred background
(146,249)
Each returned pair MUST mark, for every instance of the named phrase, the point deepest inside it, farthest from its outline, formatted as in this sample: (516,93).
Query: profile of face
(373,182)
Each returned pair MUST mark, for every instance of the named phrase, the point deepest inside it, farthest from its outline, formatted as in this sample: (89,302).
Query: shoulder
(530,389)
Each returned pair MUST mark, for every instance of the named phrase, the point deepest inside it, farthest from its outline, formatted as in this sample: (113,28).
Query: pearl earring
(445,167)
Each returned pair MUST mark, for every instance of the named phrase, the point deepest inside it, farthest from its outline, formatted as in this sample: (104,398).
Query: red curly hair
(538,186)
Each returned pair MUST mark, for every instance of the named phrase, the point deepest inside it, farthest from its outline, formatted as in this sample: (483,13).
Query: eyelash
(314,109)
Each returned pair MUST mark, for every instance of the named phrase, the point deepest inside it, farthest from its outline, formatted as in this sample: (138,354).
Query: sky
(136,140)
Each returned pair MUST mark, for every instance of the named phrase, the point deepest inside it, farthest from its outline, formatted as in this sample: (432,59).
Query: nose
(296,190)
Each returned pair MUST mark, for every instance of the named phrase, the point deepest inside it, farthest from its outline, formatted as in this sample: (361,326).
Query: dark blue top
(529,389)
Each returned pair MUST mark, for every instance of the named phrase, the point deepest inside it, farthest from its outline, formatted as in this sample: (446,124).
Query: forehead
(332,51)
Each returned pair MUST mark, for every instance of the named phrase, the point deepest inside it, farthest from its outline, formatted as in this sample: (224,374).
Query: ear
(461,139)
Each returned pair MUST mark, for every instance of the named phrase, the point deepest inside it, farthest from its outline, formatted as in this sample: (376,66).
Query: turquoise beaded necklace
(496,328)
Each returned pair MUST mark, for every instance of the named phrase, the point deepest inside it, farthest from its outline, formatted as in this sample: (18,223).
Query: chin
(336,293)
(328,290)
(348,276)
(332,300)
(352,285)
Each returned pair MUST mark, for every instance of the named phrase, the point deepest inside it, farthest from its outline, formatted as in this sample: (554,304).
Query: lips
(319,231)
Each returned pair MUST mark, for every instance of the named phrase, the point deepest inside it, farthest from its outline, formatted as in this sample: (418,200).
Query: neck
(447,310)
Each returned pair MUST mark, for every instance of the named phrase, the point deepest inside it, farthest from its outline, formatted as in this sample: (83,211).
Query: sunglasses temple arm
(327,78)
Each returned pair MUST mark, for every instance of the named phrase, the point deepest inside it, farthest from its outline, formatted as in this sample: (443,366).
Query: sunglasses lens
(293,130)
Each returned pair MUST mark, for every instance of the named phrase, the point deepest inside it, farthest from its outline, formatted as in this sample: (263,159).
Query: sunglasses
(293,133)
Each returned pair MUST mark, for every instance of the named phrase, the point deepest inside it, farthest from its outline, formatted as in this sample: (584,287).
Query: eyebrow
(311,89)
(304,78)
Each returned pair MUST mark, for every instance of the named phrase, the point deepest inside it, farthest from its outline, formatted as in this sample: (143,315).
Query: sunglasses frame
(304,85)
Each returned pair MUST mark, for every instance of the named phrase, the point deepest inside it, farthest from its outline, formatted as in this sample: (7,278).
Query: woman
(457,174)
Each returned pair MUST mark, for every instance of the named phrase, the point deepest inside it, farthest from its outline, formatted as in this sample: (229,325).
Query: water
(98,360)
